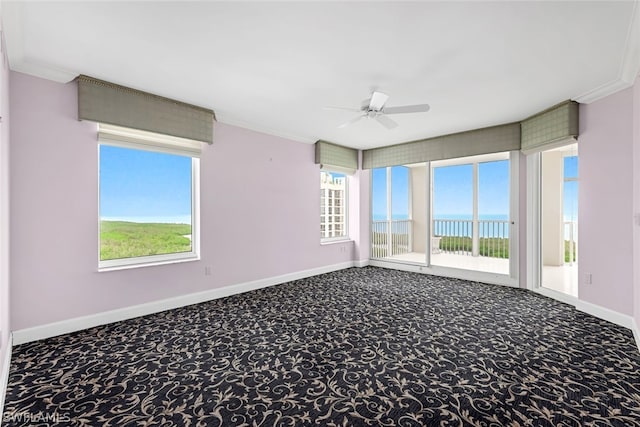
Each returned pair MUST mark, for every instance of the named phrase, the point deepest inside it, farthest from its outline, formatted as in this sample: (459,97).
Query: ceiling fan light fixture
(375,108)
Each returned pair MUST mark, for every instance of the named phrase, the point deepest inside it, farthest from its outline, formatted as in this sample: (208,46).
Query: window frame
(344,206)
(152,260)
(512,278)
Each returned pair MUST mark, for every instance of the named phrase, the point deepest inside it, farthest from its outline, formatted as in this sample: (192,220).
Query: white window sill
(128,264)
(335,241)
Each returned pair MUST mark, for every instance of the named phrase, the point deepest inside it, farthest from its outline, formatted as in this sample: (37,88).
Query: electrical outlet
(207,271)
(588,279)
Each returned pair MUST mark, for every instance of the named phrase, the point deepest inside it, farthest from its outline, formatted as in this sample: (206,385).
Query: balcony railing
(488,238)
(453,236)
(485,238)
(389,238)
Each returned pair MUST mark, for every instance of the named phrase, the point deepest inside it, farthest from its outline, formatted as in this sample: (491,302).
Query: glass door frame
(389,220)
(534,231)
(510,279)
(516,199)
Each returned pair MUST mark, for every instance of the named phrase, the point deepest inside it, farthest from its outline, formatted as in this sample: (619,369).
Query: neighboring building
(333,189)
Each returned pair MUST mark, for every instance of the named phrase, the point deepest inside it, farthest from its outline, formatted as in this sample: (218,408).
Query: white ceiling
(273,66)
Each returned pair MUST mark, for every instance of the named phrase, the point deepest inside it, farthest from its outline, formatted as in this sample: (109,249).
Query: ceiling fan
(374,108)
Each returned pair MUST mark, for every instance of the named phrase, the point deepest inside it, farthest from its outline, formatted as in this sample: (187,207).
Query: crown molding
(13,22)
(629,67)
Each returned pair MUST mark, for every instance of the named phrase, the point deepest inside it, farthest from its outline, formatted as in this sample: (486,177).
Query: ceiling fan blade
(418,108)
(386,121)
(378,99)
(352,121)
(355,110)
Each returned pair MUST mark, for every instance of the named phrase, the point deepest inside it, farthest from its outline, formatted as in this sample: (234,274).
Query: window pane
(461,239)
(570,201)
(379,194)
(559,219)
(493,191)
(333,193)
(145,203)
(493,209)
(453,192)
(452,201)
(399,192)
(571,167)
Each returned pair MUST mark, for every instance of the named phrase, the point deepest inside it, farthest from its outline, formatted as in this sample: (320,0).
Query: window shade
(149,141)
(551,128)
(108,103)
(481,141)
(336,157)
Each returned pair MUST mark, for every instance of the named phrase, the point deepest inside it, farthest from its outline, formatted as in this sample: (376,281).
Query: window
(333,195)
(471,211)
(559,219)
(148,204)
(392,225)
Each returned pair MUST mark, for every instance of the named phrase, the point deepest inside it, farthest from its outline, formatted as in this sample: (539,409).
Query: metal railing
(391,237)
(488,238)
(455,236)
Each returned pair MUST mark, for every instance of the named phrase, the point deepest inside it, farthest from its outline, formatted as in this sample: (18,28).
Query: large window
(148,205)
(333,205)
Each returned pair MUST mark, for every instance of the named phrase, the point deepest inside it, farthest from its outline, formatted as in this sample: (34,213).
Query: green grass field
(491,247)
(120,239)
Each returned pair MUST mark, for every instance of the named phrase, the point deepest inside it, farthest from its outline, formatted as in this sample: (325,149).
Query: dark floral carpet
(359,347)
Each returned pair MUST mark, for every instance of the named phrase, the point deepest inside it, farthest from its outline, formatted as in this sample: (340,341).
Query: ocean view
(487,229)
(171,219)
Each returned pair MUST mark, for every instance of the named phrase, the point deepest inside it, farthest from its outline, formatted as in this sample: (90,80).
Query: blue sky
(453,193)
(147,186)
(143,185)
(571,188)
(399,188)
(453,190)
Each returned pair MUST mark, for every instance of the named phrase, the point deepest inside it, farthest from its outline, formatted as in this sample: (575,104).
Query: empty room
(320,213)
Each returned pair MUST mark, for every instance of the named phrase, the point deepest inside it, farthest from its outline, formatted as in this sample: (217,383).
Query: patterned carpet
(359,347)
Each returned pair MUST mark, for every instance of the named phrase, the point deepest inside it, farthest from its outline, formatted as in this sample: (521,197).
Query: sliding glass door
(559,219)
(398,226)
(471,213)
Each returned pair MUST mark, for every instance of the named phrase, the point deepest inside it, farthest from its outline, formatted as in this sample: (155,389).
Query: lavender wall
(605,200)
(259,213)
(636,201)
(5,325)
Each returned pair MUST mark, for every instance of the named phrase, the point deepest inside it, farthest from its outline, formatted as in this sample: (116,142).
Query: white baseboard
(595,310)
(79,323)
(361,263)
(473,276)
(559,296)
(636,334)
(4,375)
(412,268)
(606,314)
